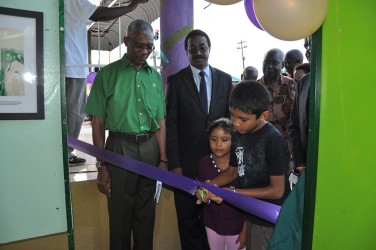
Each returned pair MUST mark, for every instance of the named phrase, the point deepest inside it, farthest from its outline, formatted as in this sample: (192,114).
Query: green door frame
(68,197)
(313,141)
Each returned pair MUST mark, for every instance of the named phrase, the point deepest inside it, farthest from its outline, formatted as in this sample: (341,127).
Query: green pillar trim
(313,141)
(176,37)
(68,197)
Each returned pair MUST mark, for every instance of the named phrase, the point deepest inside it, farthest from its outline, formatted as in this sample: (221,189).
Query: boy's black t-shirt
(257,156)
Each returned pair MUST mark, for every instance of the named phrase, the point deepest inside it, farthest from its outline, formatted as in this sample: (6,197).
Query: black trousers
(131,207)
(191,228)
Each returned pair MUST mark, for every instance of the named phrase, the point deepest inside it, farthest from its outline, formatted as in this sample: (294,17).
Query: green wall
(346,194)
(32,185)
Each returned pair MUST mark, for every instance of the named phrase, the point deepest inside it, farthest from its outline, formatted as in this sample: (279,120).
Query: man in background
(298,127)
(293,58)
(77,14)
(250,73)
(282,90)
(301,70)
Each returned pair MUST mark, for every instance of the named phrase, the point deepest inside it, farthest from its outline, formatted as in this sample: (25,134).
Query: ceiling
(108,36)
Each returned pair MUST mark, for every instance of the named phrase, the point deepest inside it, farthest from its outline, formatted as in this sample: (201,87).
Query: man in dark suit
(196,95)
(298,127)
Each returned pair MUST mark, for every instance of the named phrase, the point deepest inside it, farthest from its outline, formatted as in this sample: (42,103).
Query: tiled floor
(87,171)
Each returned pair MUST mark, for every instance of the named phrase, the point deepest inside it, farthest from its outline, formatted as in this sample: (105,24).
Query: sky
(226,26)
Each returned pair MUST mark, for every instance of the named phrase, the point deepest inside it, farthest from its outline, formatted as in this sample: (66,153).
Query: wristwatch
(232,189)
(100,164)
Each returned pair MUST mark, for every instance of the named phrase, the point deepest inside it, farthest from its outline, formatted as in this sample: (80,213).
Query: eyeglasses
(140,47)
(194,50)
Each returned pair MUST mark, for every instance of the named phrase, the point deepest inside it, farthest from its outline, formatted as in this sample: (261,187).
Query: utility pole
(242,47)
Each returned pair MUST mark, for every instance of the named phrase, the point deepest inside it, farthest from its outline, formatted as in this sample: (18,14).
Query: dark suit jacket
(298,128)
(186,121)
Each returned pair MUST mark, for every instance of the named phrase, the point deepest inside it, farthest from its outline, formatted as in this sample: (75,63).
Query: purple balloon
(248,5)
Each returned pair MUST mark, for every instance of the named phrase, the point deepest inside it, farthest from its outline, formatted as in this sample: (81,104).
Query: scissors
(202,192)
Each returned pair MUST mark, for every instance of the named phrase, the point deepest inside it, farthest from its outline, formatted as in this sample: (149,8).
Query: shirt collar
(127,63)
(197,71)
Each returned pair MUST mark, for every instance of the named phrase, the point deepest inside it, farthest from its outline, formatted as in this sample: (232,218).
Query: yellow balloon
(224,2)
(290,19)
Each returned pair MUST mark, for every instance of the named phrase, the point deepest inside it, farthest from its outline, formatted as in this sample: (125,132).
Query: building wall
(346,196)
(32,186)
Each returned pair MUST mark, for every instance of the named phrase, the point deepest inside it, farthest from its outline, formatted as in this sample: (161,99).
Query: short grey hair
(139,26)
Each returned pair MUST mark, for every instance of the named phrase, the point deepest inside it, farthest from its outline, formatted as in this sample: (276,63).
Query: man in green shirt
(127,98)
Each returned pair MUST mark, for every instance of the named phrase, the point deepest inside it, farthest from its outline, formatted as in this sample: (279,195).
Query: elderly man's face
(272,65)
(139,46)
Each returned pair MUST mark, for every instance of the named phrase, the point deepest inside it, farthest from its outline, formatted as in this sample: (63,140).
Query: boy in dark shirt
(258,156)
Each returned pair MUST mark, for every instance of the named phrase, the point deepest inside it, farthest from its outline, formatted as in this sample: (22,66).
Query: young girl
(224,224)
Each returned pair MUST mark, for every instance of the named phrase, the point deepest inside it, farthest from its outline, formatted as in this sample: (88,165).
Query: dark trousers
(191,228)
(131,207)
(75,89)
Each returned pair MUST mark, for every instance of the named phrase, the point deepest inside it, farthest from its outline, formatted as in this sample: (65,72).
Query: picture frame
(21,65)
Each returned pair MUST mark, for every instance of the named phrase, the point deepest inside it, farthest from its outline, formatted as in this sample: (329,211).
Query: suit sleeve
(172,130)
(294,130)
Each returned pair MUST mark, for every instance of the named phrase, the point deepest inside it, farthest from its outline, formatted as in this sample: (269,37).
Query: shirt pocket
(152,97)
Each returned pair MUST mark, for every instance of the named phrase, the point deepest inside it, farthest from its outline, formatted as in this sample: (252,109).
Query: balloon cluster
(284,19)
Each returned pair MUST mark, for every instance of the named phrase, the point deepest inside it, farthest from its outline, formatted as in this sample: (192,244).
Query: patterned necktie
(203,95)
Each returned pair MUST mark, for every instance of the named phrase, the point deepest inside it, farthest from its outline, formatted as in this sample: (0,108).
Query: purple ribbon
(90,77)
(262,209)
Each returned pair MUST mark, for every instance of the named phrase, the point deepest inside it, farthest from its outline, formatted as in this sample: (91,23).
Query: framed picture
(21,65)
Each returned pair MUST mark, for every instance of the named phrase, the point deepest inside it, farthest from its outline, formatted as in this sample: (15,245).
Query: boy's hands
(215,198)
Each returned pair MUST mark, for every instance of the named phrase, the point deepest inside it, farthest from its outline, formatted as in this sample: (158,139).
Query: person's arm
(160,135)
(98,134)
(225,177)
(242,236)
(274,191)
(108,14)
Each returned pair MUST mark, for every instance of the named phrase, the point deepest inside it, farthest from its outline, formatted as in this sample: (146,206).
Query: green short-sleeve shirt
(131,101)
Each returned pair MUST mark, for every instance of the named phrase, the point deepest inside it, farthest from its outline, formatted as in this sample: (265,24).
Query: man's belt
(139,138)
